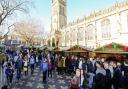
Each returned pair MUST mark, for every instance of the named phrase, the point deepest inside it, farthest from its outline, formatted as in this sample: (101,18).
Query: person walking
(81,79)
(125,74)
(4,67)
(19,67)
(50,68)
(37,60)
(90,70)
(25,66)
(100,77)
(117,77)
(44,68)
(59,66)
(108,76)
(75,83)
(32,62)
(64,64)
(9,73)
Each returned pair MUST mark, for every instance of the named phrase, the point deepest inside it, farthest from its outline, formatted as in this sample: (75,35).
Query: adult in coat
(117,76)
(44,68)
(100,79)
(108,76)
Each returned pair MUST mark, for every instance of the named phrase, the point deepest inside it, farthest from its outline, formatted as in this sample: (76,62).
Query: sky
(75,9)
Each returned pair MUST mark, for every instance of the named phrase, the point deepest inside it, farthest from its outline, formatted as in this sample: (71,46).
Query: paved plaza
(35,82)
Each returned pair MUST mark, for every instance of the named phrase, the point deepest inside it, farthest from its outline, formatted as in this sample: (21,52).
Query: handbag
(25,68)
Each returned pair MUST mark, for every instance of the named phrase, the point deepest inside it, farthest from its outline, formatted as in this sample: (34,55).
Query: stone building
(97,29)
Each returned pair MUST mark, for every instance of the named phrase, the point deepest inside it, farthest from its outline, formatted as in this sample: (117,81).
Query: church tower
(59,14)
(58,20)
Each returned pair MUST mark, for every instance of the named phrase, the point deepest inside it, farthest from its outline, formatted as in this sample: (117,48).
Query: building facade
(93,31)
(58,20)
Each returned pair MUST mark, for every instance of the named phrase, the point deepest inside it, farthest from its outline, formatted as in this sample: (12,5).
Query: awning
(2,45)
(44,48)
(113,48)
(50,48)
(78,48)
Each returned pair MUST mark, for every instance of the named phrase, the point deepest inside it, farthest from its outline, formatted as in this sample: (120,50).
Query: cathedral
(93,31)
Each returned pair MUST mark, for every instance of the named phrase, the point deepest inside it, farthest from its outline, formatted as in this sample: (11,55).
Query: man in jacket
(44,68)
(108,76)
(117,76)
(99,79)
(125,74)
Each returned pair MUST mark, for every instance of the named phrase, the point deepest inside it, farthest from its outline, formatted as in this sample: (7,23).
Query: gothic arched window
(80,34)
(67,37)
(106,28)
(74,35)
(89,32)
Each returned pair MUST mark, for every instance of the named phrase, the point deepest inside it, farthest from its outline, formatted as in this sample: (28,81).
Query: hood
(101,70)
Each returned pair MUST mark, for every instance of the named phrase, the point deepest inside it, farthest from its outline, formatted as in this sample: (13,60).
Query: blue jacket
(44,66)
(84,66)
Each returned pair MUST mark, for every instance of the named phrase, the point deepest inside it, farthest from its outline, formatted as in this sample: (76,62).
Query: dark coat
(108,79)
(125,78)
(117,78)
(100,81)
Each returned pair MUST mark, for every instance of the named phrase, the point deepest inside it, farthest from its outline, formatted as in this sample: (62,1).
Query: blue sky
(75,9)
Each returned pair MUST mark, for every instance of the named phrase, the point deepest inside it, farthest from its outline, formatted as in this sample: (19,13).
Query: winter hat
(100,63)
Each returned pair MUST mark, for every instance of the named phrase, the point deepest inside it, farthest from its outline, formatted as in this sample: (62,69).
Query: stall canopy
(44,48)
(59,49)
(112,48)
(2,45)
(78,48)
(50,48)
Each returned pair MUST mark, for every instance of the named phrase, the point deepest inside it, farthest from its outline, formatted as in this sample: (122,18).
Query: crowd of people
(17,65)
(87,73)
(96,73)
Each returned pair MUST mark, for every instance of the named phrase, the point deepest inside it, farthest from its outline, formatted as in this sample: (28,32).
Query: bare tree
(8,9)
(42,36)
(30,31)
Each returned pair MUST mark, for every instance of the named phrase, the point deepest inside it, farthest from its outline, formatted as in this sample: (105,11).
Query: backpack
(75,83)
(9,72)
(20,64)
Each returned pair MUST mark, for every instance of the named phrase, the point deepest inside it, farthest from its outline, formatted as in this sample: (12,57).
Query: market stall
(50,48)
(58,50)
(79,50)
(2,48)
(113,49)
